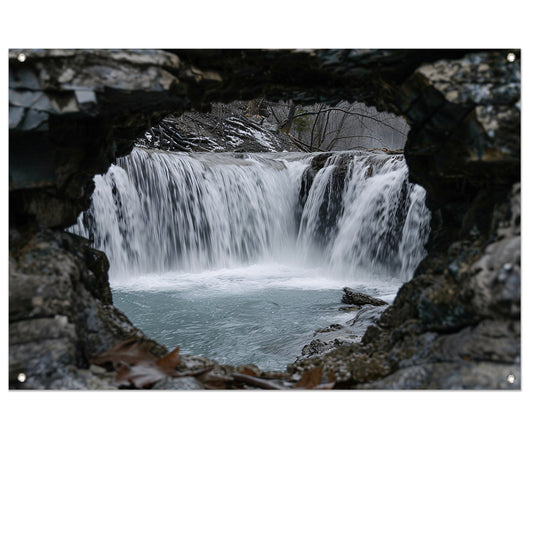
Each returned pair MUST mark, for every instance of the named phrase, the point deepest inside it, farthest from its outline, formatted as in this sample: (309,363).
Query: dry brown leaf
(140,376)
(310,378)
(136,365)
(247,370)
(170,361)
(129,352)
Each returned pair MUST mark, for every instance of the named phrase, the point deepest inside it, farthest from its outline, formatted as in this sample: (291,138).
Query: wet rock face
(491,83)
(71,114)
(60,311)
(234,127)
(330,209)
(458,316)
(465,136)
(455,325)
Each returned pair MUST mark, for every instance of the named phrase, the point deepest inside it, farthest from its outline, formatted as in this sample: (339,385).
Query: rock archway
(72,112)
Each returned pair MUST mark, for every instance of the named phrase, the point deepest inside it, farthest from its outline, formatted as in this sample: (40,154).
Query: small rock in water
(315,347)
(358,298)
(332,327)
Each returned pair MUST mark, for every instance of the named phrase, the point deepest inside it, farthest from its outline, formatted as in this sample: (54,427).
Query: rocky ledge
(235,127)
(456,324)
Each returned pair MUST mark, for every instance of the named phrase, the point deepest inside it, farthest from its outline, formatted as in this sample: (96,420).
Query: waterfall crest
(157,211)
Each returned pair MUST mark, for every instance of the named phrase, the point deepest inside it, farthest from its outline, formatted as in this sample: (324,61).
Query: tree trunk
(288,123)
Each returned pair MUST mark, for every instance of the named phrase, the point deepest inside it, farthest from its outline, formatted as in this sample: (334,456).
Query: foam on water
(250,278)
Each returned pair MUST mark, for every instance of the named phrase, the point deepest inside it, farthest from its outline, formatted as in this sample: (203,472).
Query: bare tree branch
(306,113)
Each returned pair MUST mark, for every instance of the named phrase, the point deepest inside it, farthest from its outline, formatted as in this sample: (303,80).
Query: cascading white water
(155,212)
(241,257)
(384,222)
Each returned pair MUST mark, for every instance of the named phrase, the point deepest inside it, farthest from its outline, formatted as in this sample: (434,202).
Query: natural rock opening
(456,324)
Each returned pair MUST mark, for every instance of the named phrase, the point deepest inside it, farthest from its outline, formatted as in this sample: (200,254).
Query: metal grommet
(511,57)
(21,57)
(21,377)
(511,378)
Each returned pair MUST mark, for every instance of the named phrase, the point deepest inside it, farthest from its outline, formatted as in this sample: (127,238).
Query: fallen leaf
(170,361)
(310,378)
(129,352)
(136,365)
(247,370)
(140,376)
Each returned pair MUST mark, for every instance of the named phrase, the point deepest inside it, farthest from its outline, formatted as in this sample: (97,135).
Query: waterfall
(155,211)
(381,222)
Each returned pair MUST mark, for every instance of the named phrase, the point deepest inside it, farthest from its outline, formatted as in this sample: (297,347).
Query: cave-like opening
(231,233)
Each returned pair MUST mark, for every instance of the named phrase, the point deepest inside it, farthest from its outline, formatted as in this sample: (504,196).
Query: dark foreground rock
(456,324)
(61,312)
(460,315)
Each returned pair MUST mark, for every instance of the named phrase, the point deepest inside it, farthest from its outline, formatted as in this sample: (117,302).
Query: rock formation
(357,298)
(456,324)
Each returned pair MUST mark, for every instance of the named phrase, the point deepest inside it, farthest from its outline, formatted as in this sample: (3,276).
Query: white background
(301,462)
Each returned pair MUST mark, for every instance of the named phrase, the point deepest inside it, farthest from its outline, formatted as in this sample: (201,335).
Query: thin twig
(257,382)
